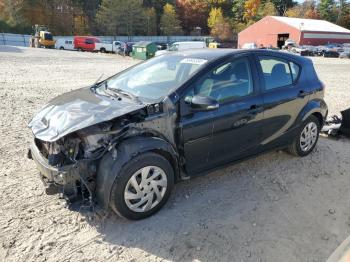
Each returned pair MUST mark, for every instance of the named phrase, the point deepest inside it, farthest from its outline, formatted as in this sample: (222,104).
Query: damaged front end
(70,163)
(76,131)
(72,133)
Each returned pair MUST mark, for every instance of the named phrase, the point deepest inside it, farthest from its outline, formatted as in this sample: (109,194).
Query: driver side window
(227,81)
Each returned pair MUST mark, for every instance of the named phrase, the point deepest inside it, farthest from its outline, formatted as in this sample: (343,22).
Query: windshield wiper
(93,87)
(123,93)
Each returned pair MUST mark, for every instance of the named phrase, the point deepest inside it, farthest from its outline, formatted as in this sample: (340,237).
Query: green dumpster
(144,50)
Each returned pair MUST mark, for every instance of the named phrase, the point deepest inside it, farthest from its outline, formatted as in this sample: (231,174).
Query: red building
(274,30)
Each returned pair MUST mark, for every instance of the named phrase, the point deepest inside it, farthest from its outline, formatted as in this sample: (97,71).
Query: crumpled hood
(76,110)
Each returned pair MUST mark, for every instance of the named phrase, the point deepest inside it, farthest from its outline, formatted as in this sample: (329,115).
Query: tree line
(220,18)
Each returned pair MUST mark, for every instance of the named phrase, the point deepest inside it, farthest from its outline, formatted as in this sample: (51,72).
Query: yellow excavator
(41,37)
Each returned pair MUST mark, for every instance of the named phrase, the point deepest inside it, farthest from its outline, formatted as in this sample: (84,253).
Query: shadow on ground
(264,209)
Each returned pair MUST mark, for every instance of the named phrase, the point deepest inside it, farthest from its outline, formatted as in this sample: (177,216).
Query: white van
(249,46)
(64,44)
(179,46)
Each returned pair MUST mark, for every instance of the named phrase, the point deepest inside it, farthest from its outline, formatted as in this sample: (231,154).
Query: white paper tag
(193,61)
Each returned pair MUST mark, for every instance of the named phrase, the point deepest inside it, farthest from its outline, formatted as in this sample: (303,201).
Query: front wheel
(142,187)
(307,137)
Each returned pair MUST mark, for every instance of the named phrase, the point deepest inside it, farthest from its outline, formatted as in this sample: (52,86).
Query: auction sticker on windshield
(193,61)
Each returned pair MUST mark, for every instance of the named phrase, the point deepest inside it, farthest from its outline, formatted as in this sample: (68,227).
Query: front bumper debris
(69,179)
(336,126)
(59,175)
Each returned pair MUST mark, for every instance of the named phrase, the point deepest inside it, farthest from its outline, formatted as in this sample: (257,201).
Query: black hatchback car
(123,142)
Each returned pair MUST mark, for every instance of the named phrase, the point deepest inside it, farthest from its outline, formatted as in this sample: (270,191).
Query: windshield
(155,78)
(48,36)
(174,47)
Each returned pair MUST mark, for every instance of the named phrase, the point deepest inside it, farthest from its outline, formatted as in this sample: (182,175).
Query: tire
(301,148)
(124,185)
(61,48)
(102,50)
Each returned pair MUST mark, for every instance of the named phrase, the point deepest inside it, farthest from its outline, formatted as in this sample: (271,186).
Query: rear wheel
(307,137)
(61,48)
(102,50)
(142,187)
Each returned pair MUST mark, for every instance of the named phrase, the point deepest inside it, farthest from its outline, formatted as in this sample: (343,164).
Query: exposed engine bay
(85,144)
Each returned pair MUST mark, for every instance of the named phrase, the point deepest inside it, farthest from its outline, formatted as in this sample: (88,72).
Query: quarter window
(227,81)
(277,72)
(295,70)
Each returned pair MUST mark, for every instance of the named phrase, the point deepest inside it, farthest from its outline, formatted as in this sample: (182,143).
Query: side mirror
(203,103)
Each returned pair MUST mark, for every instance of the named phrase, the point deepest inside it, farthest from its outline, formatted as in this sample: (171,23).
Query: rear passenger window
(276,72)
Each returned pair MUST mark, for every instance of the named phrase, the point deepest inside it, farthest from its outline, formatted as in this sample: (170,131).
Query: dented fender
(112,163)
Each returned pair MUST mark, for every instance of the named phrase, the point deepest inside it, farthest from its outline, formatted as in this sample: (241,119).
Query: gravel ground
(271,208)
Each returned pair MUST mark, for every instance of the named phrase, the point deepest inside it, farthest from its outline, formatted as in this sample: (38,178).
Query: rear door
(285,94)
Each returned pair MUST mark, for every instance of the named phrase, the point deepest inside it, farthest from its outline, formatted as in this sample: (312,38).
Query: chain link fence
(23,40)
(14,39)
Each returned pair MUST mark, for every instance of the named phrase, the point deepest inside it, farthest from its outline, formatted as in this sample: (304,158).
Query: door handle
(302,93)
(254,109)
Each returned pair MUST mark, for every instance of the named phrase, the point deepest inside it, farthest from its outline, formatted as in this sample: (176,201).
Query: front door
(232,131)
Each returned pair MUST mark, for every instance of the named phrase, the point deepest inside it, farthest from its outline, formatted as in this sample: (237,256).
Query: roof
(304,24)
(205,53)
(212,54)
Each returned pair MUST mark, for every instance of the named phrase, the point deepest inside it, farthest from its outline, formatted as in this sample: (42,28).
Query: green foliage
(282,6)
(151,21)
(266,9)
(343,17)
(123,17)
(220,27)
(152,17)
(215,16)
(307,9)
(327,10)
(169,22)
(238,11)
